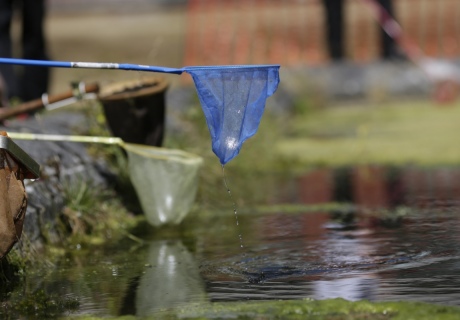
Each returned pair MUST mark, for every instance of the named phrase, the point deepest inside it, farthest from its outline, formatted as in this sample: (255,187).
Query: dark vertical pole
(335,28)
(388,44)
(34,80)
(6,71)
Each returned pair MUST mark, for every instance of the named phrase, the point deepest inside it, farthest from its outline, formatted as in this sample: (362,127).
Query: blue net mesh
(233,101)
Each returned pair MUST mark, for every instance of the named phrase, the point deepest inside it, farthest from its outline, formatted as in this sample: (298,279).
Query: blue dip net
(233,101)
(232,97)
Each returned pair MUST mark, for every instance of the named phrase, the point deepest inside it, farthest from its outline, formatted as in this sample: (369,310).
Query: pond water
(352,253)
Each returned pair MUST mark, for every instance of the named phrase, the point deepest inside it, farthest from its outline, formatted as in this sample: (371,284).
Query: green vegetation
(36,305)
(94,215)
(420,133)
(327,309)
(333,309)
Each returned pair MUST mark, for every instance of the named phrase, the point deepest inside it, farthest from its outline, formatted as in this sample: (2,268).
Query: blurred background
(292,33)
(349,95)
(332,54)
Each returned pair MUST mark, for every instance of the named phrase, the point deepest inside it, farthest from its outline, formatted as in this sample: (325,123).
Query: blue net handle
(90,65)
(121,66)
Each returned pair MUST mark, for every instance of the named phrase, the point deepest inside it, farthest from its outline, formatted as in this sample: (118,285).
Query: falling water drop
(234,205)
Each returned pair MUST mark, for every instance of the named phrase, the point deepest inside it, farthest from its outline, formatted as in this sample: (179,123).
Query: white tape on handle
(45,100)
(94,65)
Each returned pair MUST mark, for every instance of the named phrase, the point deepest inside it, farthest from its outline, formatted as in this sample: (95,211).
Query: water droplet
(234,205)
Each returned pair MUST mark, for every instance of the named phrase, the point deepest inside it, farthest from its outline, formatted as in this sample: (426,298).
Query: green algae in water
(333,309)
(37,305)
(326,309)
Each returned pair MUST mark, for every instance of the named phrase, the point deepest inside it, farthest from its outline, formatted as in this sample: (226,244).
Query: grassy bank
(395,133)
(332,309)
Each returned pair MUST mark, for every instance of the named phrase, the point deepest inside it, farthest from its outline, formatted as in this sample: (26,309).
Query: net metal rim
(242,66)
(161,153)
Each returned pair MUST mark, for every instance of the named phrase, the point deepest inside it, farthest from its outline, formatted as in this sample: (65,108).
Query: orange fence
(292,32)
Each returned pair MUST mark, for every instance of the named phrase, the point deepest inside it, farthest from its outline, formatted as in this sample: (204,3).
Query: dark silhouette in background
(26,83)
(335,31)
(389,47)
(334,28)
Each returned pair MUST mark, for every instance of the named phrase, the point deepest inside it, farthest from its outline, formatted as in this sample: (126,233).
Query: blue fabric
(233,101)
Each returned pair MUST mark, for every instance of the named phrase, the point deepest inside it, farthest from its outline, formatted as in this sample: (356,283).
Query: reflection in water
(349,248)
(171,279)
(374,187)
(294,256)
(350,288)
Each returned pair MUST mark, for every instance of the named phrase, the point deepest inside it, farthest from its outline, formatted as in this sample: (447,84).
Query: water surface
(357,253)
